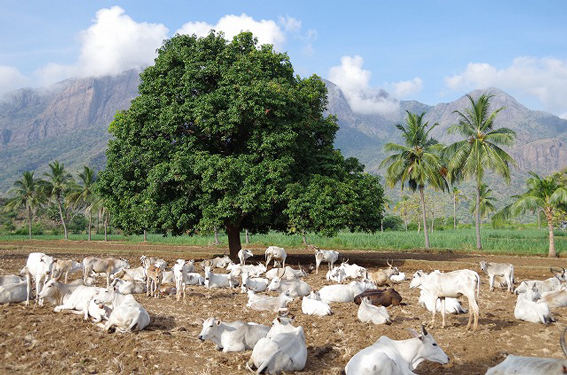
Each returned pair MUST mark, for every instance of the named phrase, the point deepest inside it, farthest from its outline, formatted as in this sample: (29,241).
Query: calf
(257,284)
(380,297)
(153,280)
(232,336)
(451,284)
(312,305)
(329,256)
(131,274)
(66,267)
(218,262)
(128,287)
(243,255)
(336,274)
(39,267)
(127,314)
(283,349)
(107,265)
(387,356)
(218,280)
(504,270)
(452,305)
(382,277)
(353,271)
(296,288)
(367,312)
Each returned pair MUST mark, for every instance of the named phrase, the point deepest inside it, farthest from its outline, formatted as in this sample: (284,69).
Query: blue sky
(430,51)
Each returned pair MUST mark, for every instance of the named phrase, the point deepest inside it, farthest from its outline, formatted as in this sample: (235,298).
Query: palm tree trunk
(424,217)
(549,216)
(432,221)
(454,212)
(538,212)
(90,223)
(477,214)
(30,218)
(62,219)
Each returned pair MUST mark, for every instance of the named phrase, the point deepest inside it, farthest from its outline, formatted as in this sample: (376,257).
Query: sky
(431,51)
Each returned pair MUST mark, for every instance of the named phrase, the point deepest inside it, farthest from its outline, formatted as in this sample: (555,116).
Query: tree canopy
(223,134)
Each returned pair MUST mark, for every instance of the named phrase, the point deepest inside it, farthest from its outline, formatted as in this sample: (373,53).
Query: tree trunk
(234,244)
(217,242)
(406,223)
(30,218)
(145,236)
(62,219)
(303,237)
(418,226)
(432,221)
(105,227)
(90,223)
(454,212)
(477,214)
(247,237)
(424,217)
(549,216)
(538,212)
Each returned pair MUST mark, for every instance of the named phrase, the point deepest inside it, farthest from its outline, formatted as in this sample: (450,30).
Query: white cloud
(405,89)
(113,44)
(267,31)
(11,79)
(290,24)
(354,82)
(541,78)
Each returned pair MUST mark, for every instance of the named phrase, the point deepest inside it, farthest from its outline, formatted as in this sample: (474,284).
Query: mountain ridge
(69,122)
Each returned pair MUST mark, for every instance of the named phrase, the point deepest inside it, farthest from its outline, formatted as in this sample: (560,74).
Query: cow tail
(477,285)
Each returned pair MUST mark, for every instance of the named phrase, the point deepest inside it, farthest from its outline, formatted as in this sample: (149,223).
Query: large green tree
(224,134)
(480,149)
(546,194)
(28,194)
(57,185)
(417,163)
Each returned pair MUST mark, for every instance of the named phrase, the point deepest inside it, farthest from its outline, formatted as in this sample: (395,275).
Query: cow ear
(414,333)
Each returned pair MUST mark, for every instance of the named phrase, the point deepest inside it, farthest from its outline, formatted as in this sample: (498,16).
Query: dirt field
(35,339)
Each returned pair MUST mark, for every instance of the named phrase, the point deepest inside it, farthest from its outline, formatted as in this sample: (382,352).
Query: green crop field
(495,241)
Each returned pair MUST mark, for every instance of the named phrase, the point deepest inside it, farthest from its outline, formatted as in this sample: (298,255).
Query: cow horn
(282,270)
(388,263)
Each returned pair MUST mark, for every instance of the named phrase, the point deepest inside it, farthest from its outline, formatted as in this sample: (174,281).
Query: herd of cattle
(282,347)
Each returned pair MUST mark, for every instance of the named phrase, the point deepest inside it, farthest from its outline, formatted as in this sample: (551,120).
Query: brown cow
(380,297)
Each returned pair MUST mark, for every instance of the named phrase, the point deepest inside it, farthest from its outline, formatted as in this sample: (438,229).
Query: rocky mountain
(69,122)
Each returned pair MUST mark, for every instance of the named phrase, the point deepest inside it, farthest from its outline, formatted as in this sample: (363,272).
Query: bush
(392,222)
(78,224)
(37,228)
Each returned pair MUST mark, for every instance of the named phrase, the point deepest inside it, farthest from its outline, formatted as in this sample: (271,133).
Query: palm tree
(543,194)
(57,185)
(84,194)
(417,162)
(486,200)
(480,149)
(28,194)
(457,195)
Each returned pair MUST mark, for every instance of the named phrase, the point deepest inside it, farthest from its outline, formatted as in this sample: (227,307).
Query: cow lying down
(234,336)
(126,315)
(13,289)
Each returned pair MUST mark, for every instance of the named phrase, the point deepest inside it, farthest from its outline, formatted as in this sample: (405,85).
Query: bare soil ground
(35,339)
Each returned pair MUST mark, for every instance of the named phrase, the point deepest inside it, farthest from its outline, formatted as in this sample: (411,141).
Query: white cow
(367,312)
(257,284)
(74,297)
(296,288)
(128,287)
(451,284)
(504,270)
(180,271)
(344,293)
(131,274)
(392,357)
(557,298)
(39,267)
(353,271)
(452,305)
(283,349)
(329,256)
(11,279)
(529,309)
(127,313)
(218,280)
(243,255)
(396,279)
(312,305)
(542,286)
(514,365)
(66,267)
(336,274)
(232,336)
(99,265)
(275,304)
(277,254)
(13,292)
(285,273)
